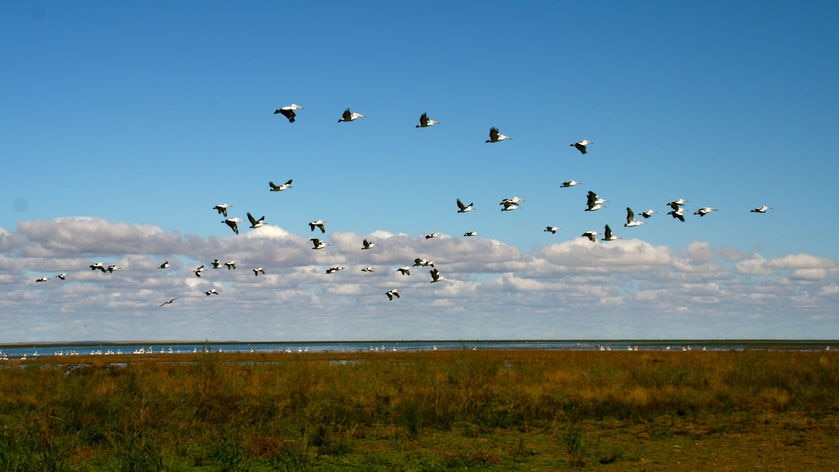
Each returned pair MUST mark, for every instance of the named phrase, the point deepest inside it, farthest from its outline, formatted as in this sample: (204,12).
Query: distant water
(20,351)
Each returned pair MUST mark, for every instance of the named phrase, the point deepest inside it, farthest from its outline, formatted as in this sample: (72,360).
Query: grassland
(423,411)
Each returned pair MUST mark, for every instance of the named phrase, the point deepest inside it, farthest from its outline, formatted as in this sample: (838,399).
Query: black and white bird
(678,213)
(392,293)
(222,208)
(198,270)
(591,235)
(169,301)
(111,268)
(318,244)
(569,183)
(419,261)
(510,204)
(367,244)
(582,145)
(97,265)
(41,279)
(350,116)
(470,233)
(404,270)
(332,270)
(760,209)
(216,263)
(212,291)
(288,111)
(648,213)
(165,265)
(704,211)
(463,208)
(256,223)
(425,122)
(630,219)
(435,275)
(495,136)
(230,265)
(233,223)
(551,229)
(62,276)
(432,235)
(675,204)
(368,269)
(258,270)
(594,202)
(608,235)
(317,224)
(272,187)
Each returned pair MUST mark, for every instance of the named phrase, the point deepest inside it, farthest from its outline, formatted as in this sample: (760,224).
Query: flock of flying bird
(593,203)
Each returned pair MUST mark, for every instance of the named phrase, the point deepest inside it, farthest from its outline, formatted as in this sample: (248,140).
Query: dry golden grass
(439,410)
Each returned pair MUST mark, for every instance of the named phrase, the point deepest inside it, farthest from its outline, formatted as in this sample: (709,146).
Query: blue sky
(122,125)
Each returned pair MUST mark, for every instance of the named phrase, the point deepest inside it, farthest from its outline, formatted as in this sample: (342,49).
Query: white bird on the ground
(368,269)
(258,270)
(704,211)
(350,116)
(222,208)
(198,270)
(425,122)
(288,111)
(591,235)
(419,261)
(608,236)
(435,275)
(593,202)
(495,136)
(569,183)
(678,212)
(463,208)
(272,187)
(648,213)
(169,301)
(216,263)
(367,244)
(470,233)
(41,279)
(760,209)
(318,224)
(230,265)
(551,229)
(212,291)
(97,265)
(630,219)
(404,270)
(165,265)
(392,293)
(332,270)
(318,244)
(233,223)
(256,223)
(581,145)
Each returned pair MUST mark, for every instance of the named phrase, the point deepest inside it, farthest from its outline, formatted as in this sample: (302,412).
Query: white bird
(470,233)
(318,224)
(111,268)
(165,265)
(332,270)
(62,276)
(350,116)
(432,235)
(216,263)
(495,136)
(435,275)
(630,219)
(318,244)
(272,187)
(425,122)
(169,301)
(463,208)
(198,270)
(404,270)
(760,209)
(678,212)
(97,265)
(569,183)
(392,293)
(510,207)
(593,202)
(581,145)
(648,213)
(258,270)
(704,211)
(222,208)
(419,261)
(233,223)
(551,229)
(367,244)
(230,265)
(591,235)
(288,111)
(212,291)
(368,269)
(254,222)
(41,279)
(608,236)
(675,204)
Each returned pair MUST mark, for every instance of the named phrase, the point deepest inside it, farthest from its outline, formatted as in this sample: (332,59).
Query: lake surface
(24,351)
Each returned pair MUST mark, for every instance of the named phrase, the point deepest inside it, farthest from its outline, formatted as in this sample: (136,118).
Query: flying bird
(593,202)
(432,235)
(470,233)
(435,275)
(258,270)
(607,234)
(288,111)
(233,223)
(332,270)
(254,222)
(198,270)
(704,211)
(230,265)
(111,268)
(678,212)
(404,270)
(41,279)
(463,208)
(630,219)
(222,208)
(350,116)
(318,244)
(169,301)
(419,261)
(495,136)
(425,122)
(216,263)
(675,204)
(272,187)
(212,291)
(648,213)
(62,276)
(165,265)
(569,183)
(318,224)
(392,293)
(97,265)
(581,145)
(551,229)
(368,269)
(760,209)
(591,235)
(367,244)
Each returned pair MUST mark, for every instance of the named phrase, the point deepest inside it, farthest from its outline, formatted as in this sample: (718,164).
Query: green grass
(423,411)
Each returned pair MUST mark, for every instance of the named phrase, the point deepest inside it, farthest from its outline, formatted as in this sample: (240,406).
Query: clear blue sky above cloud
(123,124)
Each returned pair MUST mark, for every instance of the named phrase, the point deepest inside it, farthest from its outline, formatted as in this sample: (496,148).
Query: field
(423,411)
